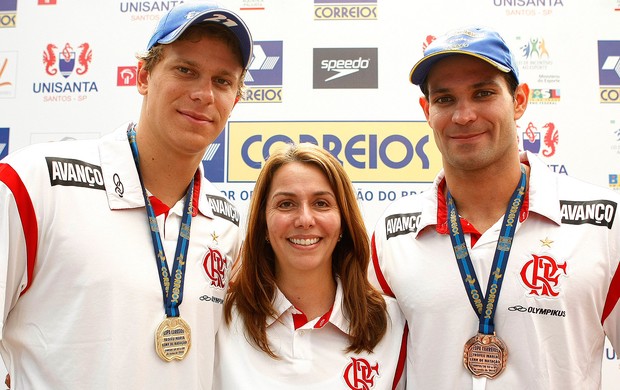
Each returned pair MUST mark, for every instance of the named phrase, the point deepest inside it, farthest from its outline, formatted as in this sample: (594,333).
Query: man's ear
(142,78)
(522,95)
(425,106)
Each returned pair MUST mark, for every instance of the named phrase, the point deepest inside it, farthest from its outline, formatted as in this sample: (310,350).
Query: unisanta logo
(529,7)
(65,59)
(147,6)
(609,71)
(345,68)
(532,141)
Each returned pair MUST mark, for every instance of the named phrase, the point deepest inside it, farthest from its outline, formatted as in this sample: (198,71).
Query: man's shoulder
(413,203)
(570,187)
(219,204)
(41,155)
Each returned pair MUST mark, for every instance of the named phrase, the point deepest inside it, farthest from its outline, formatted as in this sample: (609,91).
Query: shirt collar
(121,180)
(541,197)
(284,307)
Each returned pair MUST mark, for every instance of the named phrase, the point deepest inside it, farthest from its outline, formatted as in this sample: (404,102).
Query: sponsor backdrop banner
(332,72)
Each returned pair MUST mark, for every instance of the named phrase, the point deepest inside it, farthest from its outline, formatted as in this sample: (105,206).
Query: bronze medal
(485,355)
(173,339)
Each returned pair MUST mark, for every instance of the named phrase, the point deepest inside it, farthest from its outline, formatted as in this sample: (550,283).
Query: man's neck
(482,197)
(164,174)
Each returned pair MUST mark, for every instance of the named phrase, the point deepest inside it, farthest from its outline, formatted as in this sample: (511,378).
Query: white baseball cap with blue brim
(478,42)
(186,14)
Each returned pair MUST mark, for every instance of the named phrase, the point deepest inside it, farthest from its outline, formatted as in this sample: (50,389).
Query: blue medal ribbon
(485,306)
(172,288)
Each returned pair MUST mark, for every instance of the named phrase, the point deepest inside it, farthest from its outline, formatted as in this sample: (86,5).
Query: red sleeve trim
(375,264)
(26,213)
(196,194)
(402,358)
(612,295)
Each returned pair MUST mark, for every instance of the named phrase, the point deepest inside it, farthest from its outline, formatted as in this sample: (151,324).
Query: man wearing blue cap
(116,252)
(497,220)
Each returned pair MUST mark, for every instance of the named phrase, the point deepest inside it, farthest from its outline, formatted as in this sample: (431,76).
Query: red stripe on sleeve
(402,358)
(196,194)
(375,264)
(612,295)
(26,213)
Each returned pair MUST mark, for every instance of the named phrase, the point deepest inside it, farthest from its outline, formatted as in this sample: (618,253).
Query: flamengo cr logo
(541,275)
(65,60)
(215,266)
(360,375)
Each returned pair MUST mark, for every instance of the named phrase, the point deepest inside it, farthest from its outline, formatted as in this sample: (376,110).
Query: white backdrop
(366,113)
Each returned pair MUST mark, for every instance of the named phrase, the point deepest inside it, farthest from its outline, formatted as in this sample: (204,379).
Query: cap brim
(422,67)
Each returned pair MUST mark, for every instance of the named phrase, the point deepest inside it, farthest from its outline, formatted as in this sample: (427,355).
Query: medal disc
(173,339)
(485,355)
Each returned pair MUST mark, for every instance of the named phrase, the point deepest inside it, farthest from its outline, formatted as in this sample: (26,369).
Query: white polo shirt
(310,357)
(79,289)
(558,301)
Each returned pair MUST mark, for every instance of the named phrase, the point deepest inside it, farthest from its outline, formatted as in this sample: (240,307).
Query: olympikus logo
(538,310)
(398,224)
(74,173)
(596,212)
(223,208)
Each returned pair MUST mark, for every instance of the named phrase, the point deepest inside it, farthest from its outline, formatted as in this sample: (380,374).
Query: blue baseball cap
(186,14)
(478,42)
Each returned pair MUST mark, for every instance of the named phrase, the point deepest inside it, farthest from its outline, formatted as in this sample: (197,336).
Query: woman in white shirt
(300,312)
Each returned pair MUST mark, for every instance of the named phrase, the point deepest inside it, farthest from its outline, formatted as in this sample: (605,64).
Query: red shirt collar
(300,319)
(468,228)
(160,208)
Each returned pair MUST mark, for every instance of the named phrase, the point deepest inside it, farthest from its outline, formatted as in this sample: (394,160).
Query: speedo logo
(224,209)
(594,212)
(74,173)
(345,68)
(398,224)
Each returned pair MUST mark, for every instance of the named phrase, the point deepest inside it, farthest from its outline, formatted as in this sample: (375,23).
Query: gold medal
(485,355)
(173,339)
